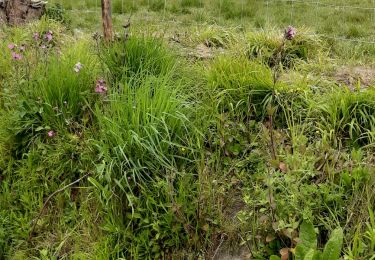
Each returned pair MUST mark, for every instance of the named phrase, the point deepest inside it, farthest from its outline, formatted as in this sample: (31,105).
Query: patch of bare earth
(227,245)
(356,76)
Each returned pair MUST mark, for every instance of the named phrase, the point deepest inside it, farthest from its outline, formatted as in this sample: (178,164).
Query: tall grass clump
(192,3)
(64,89)
(239,83)
(120,7)
(303,48)
(42,146)
(148,148)
(157,5)
(136,57)
(150,116)
(230,9)
(348,116)
(57,99)
(216,37)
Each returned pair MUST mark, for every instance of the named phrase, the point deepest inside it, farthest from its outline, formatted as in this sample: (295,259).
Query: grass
(203,138)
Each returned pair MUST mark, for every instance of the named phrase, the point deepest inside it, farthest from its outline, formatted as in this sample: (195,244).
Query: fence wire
(318,3)
(291,6)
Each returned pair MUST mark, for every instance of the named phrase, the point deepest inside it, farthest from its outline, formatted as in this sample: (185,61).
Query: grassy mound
(145,153)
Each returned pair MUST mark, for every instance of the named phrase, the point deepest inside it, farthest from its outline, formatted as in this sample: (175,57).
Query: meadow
(208,129)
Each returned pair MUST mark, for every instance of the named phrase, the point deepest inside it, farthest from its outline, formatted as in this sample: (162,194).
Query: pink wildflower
(101,88)
(78,67)
(290,33)
(51,133)
(16,56)
(48,36)
(36,36)
(43,46)
(11,46)
(100,81)
(22,47)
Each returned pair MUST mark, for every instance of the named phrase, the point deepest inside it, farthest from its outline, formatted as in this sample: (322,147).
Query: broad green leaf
(275,257)
(310,255)
(318,255)
(307,235)
(313,255)
(301,252)
(332,249)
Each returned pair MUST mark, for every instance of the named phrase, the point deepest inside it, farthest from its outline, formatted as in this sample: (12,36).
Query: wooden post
(107,20)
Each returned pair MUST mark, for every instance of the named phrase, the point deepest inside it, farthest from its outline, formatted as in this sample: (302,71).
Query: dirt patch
(351,76)
(242,254)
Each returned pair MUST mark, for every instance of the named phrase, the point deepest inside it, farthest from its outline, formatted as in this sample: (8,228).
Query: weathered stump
(3,17)
(15,12)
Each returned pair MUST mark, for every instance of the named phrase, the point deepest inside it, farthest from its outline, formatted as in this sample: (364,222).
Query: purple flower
(11,46)
(51,133)
(48,36)
(22,48)
(100,81)
(16,56)
(290,33)
(36,36)
(78,67)
(101,88)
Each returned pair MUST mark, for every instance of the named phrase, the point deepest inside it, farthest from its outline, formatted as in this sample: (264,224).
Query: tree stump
(3,17)
(16,12)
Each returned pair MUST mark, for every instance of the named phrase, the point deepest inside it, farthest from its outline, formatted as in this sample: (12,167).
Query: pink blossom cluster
(77,68)
(16,51)
(51,133)
(44,40)
(290,33)
(101,87)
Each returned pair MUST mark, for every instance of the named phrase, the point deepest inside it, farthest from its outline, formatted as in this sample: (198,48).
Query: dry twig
(48,199)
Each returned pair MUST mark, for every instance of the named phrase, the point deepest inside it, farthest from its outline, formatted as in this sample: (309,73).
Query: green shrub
(57,13)
(307,248)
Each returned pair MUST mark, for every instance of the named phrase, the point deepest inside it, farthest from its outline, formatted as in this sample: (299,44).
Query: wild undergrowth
(131,149)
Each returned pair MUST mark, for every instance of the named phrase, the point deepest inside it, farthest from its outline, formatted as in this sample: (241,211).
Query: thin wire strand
(193,23)
(325,5)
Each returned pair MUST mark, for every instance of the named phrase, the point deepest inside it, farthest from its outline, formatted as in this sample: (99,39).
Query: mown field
(202,132)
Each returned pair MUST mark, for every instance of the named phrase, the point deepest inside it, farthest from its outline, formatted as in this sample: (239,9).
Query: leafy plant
(58,13)
(306,249)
